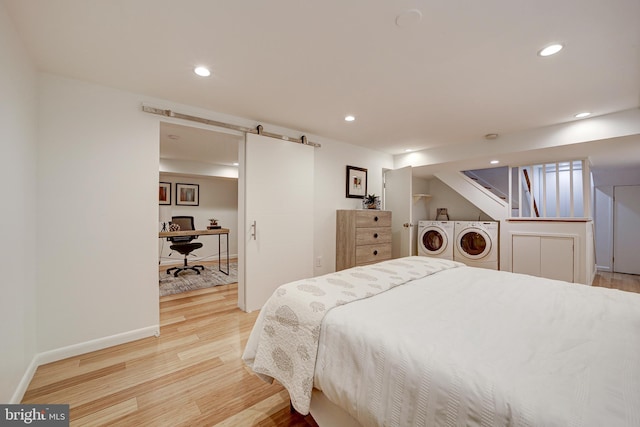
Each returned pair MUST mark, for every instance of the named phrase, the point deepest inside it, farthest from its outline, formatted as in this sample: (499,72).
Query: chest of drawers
(362,237)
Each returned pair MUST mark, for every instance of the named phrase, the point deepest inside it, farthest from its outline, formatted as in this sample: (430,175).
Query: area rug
(189,280)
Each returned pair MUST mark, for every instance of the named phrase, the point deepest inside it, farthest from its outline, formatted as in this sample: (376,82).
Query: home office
(193,194)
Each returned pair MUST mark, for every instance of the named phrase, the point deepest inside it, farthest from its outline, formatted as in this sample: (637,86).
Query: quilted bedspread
(478,347)
(284,341)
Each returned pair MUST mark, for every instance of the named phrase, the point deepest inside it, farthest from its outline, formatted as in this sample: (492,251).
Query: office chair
(183,244)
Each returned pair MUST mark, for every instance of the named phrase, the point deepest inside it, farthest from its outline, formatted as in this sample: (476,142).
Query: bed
(424,341)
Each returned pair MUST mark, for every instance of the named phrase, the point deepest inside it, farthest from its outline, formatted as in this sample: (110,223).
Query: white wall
(97,217)
(459,208)
(84,220)
(419,208)
(17,216)
(610,176)
(595,132)
(191,167)
(331,162)
(218,199)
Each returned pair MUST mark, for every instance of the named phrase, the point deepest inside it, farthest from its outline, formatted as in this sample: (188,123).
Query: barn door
(276,210)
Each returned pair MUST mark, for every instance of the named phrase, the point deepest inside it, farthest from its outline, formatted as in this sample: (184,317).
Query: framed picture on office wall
(164,196)
(187,194)
(356,182)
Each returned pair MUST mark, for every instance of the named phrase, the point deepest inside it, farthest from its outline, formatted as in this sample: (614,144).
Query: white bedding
(284,341)
(470,346)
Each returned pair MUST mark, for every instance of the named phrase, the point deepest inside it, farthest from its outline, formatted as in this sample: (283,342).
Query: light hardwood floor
(623,282)
(191,375)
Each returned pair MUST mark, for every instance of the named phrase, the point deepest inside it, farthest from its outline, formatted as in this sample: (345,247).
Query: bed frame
(327,414)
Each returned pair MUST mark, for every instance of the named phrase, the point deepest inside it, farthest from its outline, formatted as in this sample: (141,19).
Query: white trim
(557,189)
(571,208)
(77,349)
(97,344)
(520,191)
(24,382)
(544,190)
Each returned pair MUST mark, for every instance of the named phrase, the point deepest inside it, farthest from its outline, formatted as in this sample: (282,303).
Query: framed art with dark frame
(356,182)
(164,193)
(187,194)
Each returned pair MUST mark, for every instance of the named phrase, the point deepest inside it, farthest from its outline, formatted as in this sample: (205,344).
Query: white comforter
(471,346)
(284,341)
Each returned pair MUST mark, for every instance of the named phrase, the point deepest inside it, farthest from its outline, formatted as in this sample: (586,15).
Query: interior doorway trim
(258,130)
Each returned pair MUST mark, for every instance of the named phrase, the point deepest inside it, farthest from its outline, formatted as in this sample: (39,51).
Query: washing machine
(435,239)
(476,243)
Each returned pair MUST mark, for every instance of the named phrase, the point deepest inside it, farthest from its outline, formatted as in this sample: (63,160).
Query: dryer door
(433,240)
(473,243)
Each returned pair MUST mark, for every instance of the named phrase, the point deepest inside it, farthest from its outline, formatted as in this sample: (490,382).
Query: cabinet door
(526,254)
(544,256)
(556,258)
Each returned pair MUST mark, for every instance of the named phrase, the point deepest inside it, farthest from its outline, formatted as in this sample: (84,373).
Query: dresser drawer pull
(375,235)
(375,219)
(375,252)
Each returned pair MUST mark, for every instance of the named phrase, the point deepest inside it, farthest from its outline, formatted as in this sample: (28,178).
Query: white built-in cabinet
(544,256)
(561,249)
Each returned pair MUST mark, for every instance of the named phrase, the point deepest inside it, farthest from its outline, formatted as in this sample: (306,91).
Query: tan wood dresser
(362,237)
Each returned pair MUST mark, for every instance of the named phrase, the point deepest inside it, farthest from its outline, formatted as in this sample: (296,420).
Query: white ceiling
(467,68)
(188,143)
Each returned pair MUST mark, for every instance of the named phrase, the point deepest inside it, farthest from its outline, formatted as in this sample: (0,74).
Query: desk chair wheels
(187,267)
(185,249)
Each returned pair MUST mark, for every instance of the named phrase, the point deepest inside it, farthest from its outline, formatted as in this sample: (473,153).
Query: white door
(397,199)
(276,196)
(626,229)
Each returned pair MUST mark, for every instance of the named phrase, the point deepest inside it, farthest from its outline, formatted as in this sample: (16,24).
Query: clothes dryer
(476,243)
(435,239)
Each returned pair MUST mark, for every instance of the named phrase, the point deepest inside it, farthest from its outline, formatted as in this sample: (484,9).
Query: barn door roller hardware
(259,130)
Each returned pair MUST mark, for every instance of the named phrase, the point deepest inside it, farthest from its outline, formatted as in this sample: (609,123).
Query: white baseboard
(24,382)
(77,349)
(603,268)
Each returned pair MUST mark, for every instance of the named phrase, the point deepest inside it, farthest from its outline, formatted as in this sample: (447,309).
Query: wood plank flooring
(191,375)
(623,282)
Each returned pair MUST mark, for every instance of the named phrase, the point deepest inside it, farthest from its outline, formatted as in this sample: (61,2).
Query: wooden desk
(217,232)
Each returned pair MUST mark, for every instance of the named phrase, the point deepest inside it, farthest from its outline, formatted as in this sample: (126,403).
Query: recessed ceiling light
(550,50)
(408,150)
(582,115)
(202,71)
(349,118)
(236,163)
(494,162)
(174,137)
(408,18)
(491,136)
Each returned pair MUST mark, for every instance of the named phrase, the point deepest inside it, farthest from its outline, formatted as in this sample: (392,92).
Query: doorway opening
(198,177)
